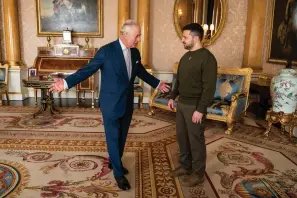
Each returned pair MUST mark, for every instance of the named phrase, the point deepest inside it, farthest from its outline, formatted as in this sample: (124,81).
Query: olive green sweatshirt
(196,79)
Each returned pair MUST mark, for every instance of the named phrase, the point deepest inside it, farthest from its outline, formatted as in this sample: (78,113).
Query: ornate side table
(47,101)
(286,119)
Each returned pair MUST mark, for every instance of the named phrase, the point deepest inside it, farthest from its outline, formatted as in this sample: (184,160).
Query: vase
(283,91)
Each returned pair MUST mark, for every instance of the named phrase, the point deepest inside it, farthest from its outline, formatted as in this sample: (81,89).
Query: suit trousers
(191,140)
(116,131)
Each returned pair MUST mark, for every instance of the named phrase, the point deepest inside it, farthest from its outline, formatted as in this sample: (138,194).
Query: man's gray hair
(127,25)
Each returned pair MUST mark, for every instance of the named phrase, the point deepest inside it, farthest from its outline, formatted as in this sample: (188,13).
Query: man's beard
(189,46)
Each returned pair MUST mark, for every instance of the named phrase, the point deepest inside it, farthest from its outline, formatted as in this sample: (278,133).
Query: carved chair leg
(77,97)
(92,93)
(151,111)
(97,93)
(291,130)
(35,96)
(283,129)
(268,129)
(230,125)
(7,98)
(84,96)
(140,102)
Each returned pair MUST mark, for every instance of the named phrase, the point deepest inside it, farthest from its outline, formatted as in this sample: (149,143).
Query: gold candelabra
(87,42)
(48,41)
(208,32)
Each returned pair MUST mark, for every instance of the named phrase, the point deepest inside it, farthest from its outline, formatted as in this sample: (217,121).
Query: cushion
(163,98)
(2,74)
(219,107)
(163,101)
(227,85)
(137,80)
(2,85)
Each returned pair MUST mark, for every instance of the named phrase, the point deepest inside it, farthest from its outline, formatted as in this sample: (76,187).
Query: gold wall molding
(254,40)
(123,13)
(143,18)
(11,33)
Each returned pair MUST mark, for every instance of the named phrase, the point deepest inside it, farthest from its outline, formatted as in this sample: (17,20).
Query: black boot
(123,183)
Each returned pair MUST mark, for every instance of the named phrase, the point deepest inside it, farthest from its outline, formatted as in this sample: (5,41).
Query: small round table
(47,101)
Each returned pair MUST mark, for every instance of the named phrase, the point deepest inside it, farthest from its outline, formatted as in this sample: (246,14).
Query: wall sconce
(208,32)
(179,13)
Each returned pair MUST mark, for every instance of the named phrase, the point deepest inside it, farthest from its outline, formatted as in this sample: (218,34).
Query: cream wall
(28,29)
(166,47)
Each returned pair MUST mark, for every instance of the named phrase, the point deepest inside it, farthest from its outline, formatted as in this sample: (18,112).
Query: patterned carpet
(69,160)
(73,124)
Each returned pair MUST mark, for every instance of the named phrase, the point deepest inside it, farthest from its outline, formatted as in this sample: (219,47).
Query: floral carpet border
(143,165)
(87,145)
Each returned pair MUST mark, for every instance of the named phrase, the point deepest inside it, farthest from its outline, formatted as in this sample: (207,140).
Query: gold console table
(47,100)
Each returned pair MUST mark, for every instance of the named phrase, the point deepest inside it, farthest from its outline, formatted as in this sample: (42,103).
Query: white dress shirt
(127,56)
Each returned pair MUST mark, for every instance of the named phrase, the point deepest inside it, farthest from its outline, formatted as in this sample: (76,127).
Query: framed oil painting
(83,17)
(283,35)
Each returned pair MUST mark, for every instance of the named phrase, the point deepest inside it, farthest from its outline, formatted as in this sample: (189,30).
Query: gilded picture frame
(83,17)
(32,72)
(282,43)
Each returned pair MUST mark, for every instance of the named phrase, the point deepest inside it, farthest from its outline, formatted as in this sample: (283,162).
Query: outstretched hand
(163,87)
(57,86)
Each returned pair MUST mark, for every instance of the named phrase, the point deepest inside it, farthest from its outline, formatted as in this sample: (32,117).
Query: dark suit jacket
(116,93)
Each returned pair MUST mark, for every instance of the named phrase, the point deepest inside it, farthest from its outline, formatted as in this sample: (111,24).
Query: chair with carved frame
(159,99)
(4,82)
(231,97)
(230,100)
(138,91)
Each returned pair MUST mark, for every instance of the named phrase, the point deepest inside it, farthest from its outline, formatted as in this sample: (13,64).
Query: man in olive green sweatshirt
(195,86)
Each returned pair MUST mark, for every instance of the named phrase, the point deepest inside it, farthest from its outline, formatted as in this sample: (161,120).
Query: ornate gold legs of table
(286,119)
(47,103)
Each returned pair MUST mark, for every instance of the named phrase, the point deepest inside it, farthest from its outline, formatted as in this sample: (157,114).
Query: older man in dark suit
(120,63)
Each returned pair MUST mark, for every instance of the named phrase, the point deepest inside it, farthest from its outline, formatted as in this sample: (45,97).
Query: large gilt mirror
(211,14)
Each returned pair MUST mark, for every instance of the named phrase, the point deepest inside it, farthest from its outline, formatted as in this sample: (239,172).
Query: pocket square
(137,62)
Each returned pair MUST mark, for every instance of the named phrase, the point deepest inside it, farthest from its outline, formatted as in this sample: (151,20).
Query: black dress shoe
(123,183)
(124,169)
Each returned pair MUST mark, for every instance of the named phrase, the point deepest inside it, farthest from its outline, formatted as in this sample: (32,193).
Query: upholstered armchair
(3,82)
(231,97)
(138,91)
(159,99)
(230,100)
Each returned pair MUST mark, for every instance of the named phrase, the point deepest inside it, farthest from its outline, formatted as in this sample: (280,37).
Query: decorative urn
(283,91)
